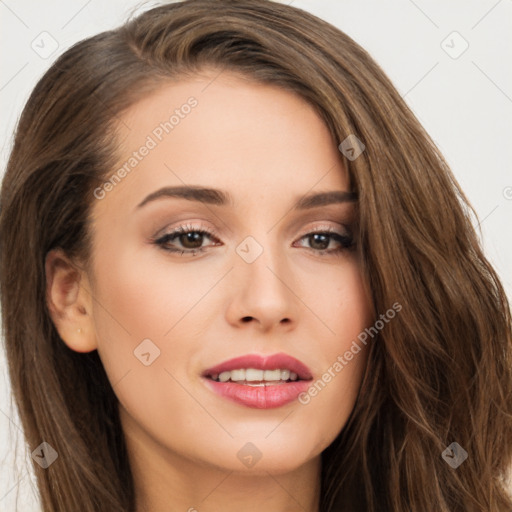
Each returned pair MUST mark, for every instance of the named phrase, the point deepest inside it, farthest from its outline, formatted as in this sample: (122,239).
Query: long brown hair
(440,372)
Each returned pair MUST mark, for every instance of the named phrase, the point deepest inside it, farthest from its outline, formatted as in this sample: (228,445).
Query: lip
(276,361)
(260,397)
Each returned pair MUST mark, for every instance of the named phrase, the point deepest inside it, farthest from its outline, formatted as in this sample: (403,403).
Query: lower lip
(259,397)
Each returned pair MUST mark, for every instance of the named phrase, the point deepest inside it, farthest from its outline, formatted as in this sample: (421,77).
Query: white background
(465,103)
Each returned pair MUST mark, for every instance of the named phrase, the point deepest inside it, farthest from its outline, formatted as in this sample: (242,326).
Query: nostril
(246,318)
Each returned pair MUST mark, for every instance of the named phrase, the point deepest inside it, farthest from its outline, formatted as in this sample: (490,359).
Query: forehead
(224,131)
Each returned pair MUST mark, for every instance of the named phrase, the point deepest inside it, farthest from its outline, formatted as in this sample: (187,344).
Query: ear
(69,301)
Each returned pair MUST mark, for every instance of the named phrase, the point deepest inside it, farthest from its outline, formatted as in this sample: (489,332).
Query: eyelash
(346,241)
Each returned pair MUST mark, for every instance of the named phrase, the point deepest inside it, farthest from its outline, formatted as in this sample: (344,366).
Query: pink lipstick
(261,382)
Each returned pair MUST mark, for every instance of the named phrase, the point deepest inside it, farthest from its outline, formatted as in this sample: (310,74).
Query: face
(184,281)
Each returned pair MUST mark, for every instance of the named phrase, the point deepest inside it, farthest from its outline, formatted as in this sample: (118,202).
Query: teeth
(254,375)
(237,374)
(224,376)
(272,375)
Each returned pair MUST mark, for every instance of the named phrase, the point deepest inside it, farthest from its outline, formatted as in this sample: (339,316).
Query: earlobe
(69,302)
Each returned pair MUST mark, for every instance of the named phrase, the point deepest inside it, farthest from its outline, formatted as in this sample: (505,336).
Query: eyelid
(211,232)
(329,228)
(169,234)
(185,227)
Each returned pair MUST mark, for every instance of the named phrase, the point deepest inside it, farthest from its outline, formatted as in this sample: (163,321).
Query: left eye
(191,240)
(322,240)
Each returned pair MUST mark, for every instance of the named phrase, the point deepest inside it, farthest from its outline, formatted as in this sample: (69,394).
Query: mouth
(255,376)
(261,382)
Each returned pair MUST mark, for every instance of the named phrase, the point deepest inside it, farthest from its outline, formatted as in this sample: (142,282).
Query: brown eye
(319,241)
(185,240)
(191,240)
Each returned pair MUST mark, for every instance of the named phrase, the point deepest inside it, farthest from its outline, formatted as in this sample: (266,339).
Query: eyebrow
(221,198)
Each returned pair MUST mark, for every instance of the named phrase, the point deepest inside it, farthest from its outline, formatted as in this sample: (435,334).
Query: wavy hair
(440,372)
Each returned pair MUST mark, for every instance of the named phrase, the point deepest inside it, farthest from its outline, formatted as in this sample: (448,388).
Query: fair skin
(267,148)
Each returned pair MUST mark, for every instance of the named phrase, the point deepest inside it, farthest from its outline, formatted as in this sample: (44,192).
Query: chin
(261,456)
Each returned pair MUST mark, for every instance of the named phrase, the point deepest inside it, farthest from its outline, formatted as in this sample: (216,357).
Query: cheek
(145,296)
(134,303)
(354,305)
(346,310)
(343,305)
(141,295)
(141,309)
(352,315)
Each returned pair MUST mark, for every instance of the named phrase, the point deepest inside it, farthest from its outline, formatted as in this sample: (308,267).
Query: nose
(263,293)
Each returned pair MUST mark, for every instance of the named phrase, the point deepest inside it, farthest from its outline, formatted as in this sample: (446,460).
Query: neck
(164,480)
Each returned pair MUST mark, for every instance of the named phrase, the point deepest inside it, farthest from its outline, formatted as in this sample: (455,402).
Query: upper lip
(271,362)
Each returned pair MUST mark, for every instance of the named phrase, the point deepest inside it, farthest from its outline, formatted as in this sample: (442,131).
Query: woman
(237,274)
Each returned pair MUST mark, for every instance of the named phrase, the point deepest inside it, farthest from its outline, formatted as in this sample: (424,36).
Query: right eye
(190,238)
